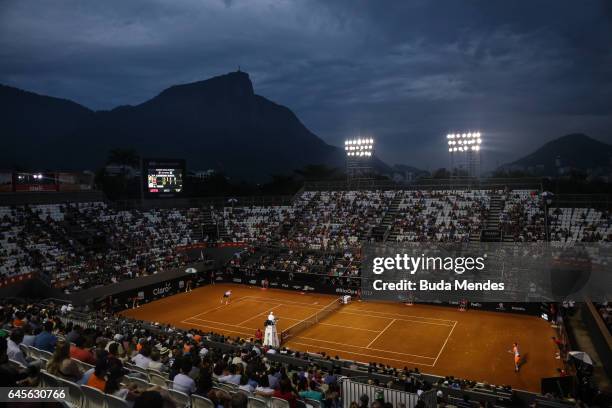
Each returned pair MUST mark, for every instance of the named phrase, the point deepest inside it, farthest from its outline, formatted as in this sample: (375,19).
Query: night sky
(404,72)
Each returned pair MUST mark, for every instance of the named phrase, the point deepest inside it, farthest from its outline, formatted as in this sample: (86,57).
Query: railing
(353,390)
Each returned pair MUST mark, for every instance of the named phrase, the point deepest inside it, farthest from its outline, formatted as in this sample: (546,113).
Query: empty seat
(115,402)
(255,402)
(180,398)
(197,401)
(94,398)
(279,403)
(75,397)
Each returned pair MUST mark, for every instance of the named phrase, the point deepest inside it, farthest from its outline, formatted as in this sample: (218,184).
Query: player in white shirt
(226,297)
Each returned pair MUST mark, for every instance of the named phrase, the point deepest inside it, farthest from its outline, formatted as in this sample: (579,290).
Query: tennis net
(310,320)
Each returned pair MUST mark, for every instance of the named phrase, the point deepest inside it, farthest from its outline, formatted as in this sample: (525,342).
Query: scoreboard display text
(164,178)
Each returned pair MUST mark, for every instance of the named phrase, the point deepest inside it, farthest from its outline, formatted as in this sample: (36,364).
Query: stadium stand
(322,229)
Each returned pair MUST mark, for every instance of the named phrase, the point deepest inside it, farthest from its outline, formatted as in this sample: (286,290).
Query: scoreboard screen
(164,178)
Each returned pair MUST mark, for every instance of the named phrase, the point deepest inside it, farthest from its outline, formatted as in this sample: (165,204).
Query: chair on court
(94,398)
(254,402)
(114,402)
(180,398)
(75,396)
(198,401)
(279,403)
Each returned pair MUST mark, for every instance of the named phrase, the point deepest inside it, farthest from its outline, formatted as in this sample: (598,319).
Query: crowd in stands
(339,219)
(45,238)
(257,224)
(579,225)
(440,216)
(84,245)
(296,261)
(522,218)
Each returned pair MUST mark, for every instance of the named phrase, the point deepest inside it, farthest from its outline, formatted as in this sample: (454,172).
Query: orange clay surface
(438,340)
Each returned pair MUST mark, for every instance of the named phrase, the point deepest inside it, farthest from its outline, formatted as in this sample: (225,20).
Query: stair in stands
(491,231)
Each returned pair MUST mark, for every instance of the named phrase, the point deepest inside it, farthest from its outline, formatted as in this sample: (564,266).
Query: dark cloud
(406,72)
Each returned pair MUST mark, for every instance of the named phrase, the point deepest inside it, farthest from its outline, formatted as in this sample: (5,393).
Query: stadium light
(464,142)
(359,147)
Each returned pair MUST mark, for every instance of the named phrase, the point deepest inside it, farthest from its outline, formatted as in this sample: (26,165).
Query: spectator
(46,340)
(182,381)
(79,352)
(29,337)
(306,390)
(62,365)
(234,375)
(98,377)
(142,359)
(155,364)
(285,392)
(13,350)
(74,334)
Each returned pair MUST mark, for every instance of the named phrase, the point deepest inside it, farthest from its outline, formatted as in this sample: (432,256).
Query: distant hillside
(217,123)
(573,151)
(38,129)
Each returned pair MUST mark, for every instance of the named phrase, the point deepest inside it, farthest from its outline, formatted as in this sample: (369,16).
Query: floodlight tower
(464,150)
(359,153)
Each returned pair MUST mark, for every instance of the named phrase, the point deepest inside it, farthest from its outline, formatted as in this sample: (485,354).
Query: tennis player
(517,356)
(227,296)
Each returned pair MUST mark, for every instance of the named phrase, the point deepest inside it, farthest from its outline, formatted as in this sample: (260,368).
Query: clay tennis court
(437,340)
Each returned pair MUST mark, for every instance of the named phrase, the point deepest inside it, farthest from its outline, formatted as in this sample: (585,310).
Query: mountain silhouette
(216,123)
(575,150)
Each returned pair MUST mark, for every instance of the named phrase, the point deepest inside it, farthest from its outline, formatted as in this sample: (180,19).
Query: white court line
(444,345)
(259,314)
(395,315)
(381,333)
(218,307)
(359,354)
(219,323)
(399,314)
(287,302)
(397,318)
(360,347)
(348,327)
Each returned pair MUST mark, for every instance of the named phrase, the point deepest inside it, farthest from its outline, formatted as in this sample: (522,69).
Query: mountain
(36,127)
(217,123)
(575,150)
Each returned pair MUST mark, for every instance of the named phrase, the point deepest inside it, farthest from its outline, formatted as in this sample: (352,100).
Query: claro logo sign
(162,290)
